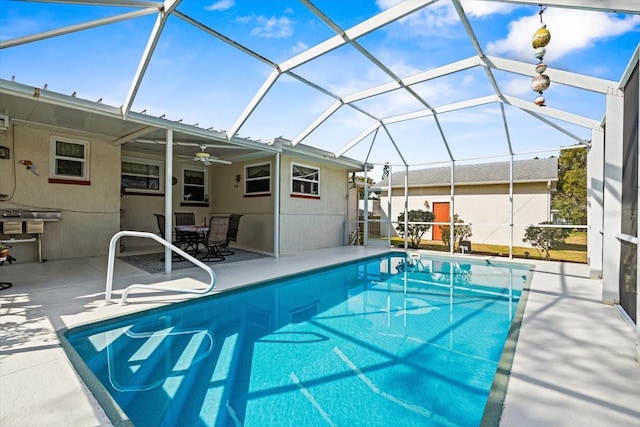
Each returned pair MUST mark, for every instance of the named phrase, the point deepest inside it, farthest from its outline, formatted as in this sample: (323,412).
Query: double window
(69,159)
(305,180)
(257,179)
(142,176)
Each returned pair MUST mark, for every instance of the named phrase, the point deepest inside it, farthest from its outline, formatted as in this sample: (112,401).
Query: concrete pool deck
(574,362)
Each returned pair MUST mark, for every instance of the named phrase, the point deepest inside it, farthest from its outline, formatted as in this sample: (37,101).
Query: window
(194,186)
(257,179)
(69,159)
(305,180)
(142,176)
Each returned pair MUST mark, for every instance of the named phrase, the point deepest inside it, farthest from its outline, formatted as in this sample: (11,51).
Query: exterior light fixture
(238,178)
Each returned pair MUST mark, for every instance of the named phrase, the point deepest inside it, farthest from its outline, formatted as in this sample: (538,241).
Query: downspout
(168,200)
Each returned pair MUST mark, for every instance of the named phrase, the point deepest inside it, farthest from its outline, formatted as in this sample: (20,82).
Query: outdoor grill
(18,222)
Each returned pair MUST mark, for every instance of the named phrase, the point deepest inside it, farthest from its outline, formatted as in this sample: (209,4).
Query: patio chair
(232,233)
(161,229)
(216,238)
(186,240)
(465,246)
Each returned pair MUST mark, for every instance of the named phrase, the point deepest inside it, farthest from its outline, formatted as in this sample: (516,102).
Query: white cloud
(299,47)
(517,85)
(273,27)
(479,9)
(434,17)
(570,30)
(243,19)
(220,5)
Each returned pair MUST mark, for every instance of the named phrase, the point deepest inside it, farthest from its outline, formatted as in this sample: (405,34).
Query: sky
(198,79)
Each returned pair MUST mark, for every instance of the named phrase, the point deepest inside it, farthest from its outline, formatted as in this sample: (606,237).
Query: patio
(574,363)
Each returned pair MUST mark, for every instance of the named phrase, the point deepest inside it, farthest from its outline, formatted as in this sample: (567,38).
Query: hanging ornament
(541,68)
(539,53)
(539,41)
(540,83)
(541,37)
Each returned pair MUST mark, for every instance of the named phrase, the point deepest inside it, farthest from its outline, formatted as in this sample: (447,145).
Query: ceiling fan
(206,158)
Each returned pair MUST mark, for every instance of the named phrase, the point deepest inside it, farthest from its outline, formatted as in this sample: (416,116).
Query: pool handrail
(143,234)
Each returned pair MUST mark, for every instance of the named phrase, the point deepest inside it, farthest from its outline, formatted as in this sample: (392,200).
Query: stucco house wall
(481,197)
(255,231)
(486,207)
(313,223)
(90,213)
(137,210)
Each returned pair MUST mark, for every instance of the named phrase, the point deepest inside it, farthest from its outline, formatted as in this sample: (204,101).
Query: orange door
(440,214)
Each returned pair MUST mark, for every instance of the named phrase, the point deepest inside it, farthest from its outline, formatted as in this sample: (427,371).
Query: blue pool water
(384,341)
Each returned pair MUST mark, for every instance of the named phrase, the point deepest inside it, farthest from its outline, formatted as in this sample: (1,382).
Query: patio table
(197,234)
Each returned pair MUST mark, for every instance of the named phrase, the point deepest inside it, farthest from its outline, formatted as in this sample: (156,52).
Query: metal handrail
(111,262)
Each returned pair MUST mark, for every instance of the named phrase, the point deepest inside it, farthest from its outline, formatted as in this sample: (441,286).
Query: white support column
(276,209)
(406,207)
(168,200)
(511,206)
(638,257)
(365,226)
(389,217)
(452,209)
(612,221)
(595,205)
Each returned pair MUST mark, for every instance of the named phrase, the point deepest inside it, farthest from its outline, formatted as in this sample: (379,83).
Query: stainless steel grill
(18,222)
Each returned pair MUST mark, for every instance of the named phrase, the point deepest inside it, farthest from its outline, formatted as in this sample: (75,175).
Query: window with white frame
(195,186)
(69,159)
(305,180)
(257,179)
(142,175)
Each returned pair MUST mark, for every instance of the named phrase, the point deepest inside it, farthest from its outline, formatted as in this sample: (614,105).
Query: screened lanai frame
(377,127)
(380,129)
(390,223)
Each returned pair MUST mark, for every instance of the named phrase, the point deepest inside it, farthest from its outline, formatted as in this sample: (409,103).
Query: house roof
(534,170)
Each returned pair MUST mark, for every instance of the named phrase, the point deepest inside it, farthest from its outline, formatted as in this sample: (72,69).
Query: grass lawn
(574,249)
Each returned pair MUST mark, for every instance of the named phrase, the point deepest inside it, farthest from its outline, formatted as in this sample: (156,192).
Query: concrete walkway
(574,363)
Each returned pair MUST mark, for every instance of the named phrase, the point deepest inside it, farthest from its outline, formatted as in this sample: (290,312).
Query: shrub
(460,233)
(545,238)
(415,231)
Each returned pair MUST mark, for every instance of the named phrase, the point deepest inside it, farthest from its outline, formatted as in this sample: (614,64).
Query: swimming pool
(382,341)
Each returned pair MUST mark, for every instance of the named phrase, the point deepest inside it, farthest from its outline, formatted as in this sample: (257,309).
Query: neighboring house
(481,197)
(89,164)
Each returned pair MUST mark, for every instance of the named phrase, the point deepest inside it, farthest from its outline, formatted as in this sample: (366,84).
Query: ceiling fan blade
(222,162)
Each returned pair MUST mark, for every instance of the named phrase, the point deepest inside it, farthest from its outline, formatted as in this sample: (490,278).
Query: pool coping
(495,402)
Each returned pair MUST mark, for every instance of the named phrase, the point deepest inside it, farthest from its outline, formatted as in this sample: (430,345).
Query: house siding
(90,213)
(313,223)
(256,224)
(486,207)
